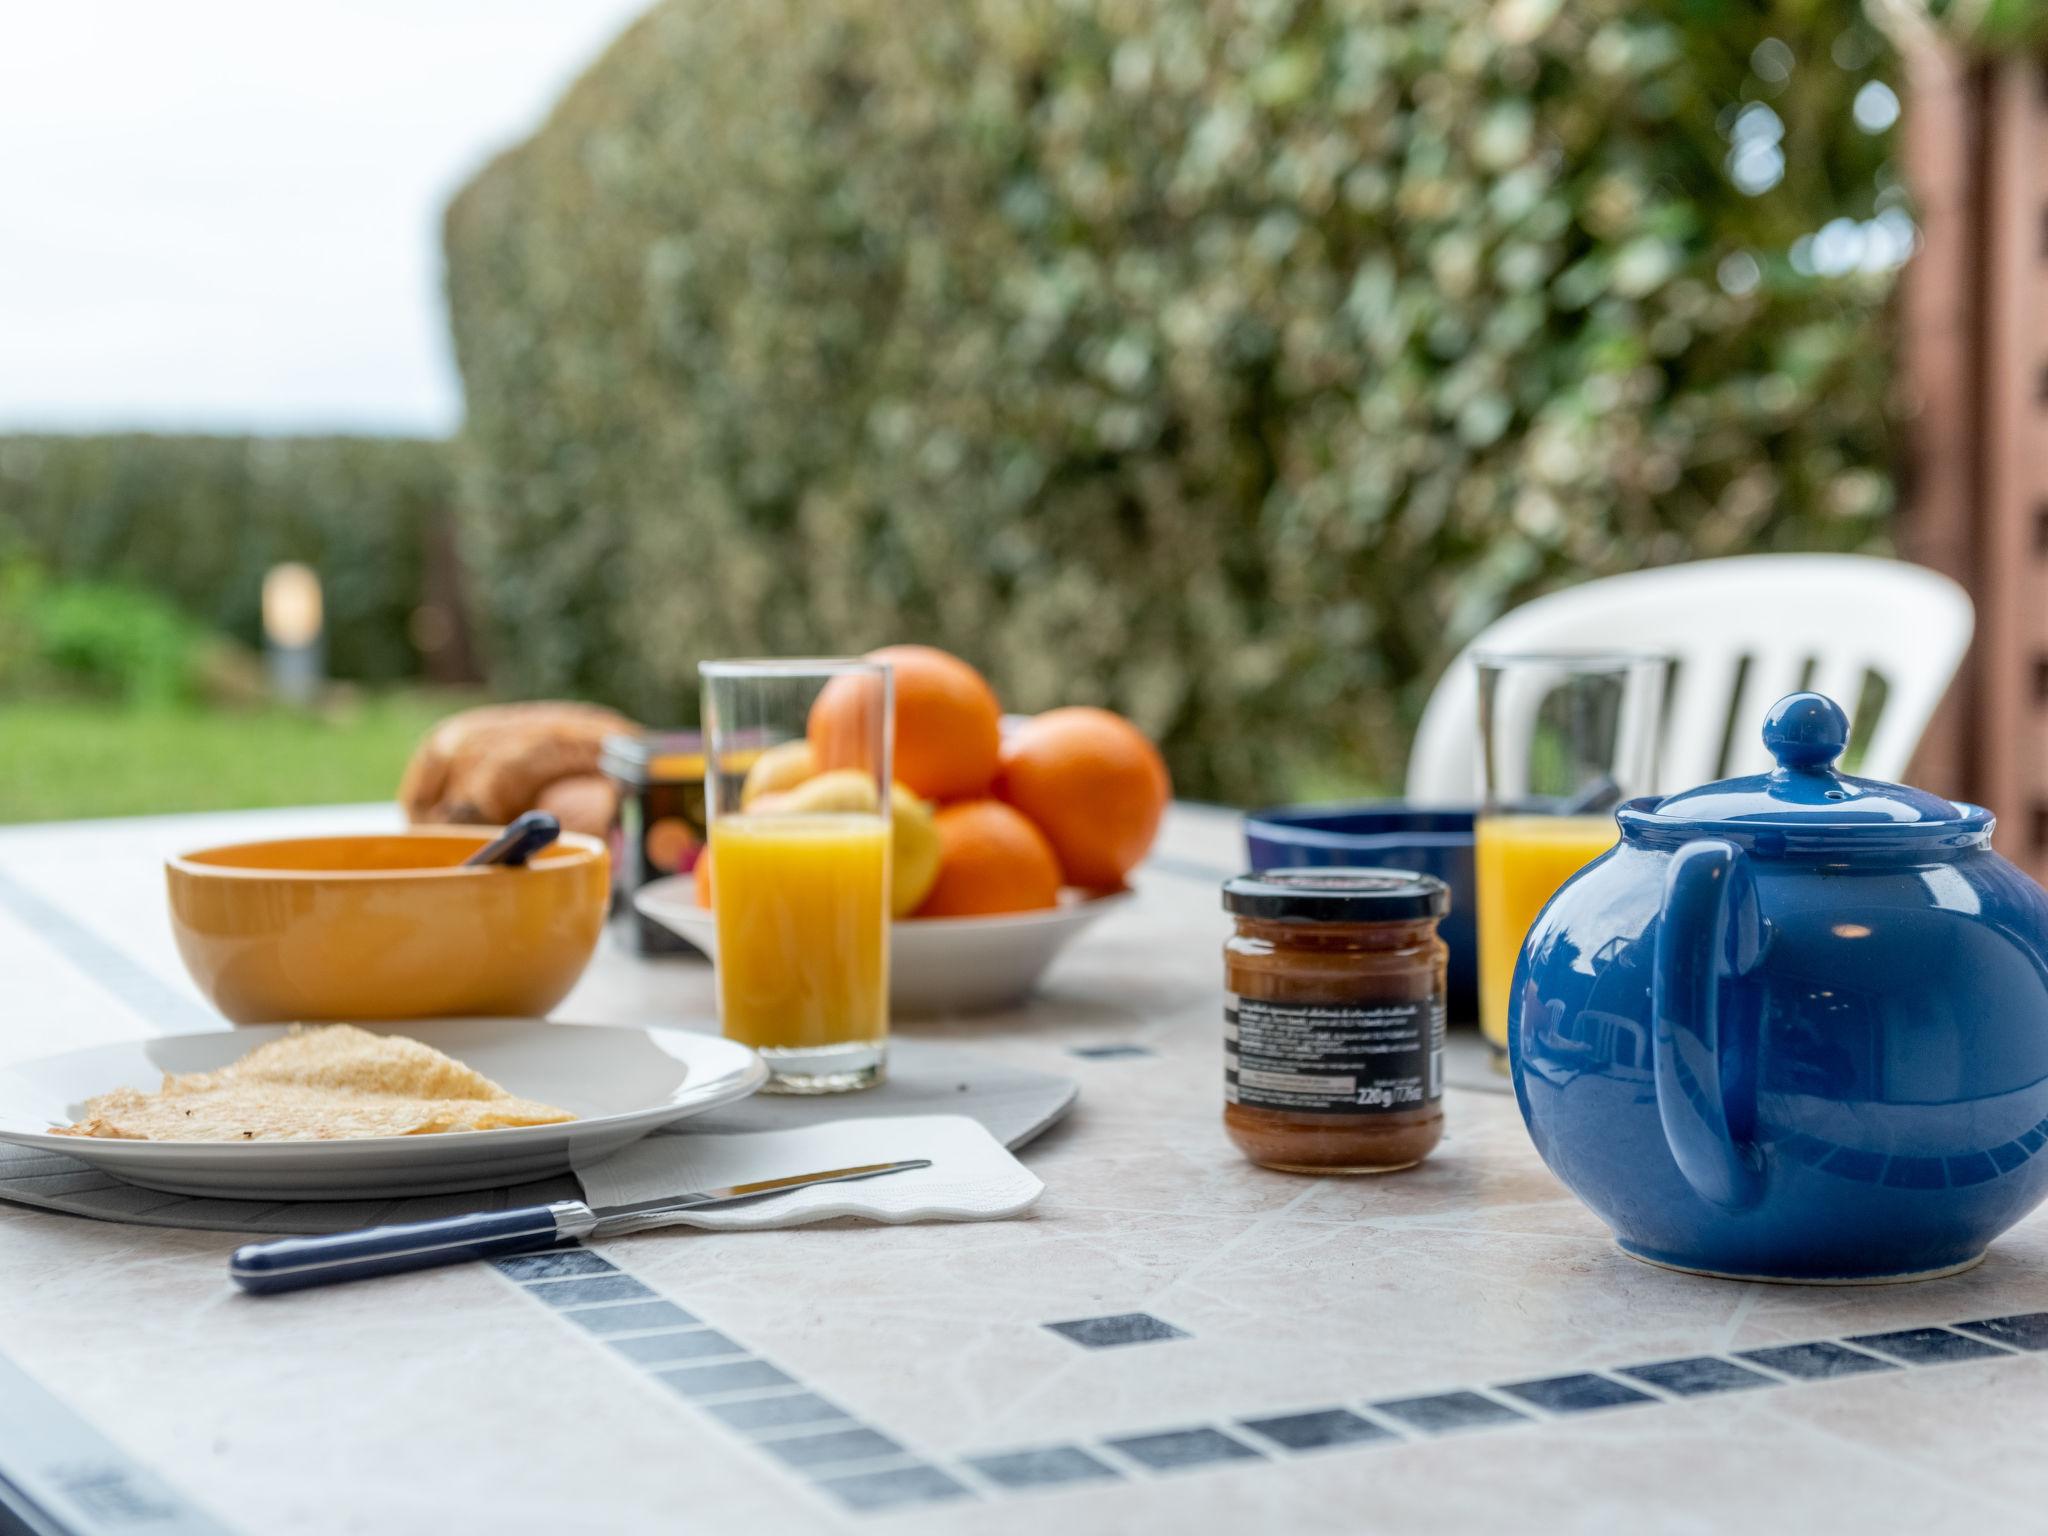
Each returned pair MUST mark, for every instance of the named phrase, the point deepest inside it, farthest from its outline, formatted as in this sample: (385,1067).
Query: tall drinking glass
(1565,738)
(800,875)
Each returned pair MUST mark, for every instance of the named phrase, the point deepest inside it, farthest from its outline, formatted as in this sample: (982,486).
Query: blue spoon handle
(518,842)
(294,1263)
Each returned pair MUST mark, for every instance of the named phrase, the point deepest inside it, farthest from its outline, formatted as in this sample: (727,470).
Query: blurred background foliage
(1229,364)
(1992,25)
(131,573)
(196,521)
(97,640)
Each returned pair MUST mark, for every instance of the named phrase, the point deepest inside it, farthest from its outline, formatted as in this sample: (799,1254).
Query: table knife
(294,1263)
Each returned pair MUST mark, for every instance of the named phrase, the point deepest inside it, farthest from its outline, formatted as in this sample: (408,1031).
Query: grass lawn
(60,760)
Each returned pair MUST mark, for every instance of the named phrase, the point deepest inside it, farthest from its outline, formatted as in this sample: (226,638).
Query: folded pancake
(316,1084)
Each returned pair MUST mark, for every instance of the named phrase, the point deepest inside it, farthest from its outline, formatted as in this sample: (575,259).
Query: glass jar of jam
(660,828)
(1333,1030)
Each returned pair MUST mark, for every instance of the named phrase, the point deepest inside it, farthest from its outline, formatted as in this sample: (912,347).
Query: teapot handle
(1711,930)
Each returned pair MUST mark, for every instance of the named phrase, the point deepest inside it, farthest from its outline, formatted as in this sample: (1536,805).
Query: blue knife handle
(293,1263)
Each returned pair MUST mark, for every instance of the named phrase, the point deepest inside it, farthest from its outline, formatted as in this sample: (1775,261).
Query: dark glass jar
(660,829)
(1334,1018)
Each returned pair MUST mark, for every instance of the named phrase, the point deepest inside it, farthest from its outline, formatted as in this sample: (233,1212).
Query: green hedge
(200,519)
(1994,26)
(1227,364)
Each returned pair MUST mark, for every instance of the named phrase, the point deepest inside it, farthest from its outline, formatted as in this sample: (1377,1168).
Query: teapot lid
(1804,797)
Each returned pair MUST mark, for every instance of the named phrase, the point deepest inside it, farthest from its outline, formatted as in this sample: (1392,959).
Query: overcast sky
(222,215)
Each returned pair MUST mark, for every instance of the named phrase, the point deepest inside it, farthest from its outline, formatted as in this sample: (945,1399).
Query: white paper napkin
(973,1177)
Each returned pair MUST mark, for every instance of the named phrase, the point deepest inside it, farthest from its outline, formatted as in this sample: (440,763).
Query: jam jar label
(1333,1058)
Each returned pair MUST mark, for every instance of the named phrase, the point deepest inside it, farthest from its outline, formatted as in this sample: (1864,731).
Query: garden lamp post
(292,649)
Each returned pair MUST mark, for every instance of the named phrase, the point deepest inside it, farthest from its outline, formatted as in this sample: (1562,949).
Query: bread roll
(487,765)
(581,802)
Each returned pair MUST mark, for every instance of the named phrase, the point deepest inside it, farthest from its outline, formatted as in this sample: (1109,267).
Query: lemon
(913,850)
(778,769)
(914,834)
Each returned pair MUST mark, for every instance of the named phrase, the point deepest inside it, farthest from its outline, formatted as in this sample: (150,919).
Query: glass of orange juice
(797,792)
(1564,739)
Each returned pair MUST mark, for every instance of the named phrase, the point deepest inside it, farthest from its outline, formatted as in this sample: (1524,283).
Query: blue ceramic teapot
(1794,1026)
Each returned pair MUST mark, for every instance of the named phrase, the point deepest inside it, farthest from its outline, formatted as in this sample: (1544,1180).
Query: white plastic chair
(1745,631)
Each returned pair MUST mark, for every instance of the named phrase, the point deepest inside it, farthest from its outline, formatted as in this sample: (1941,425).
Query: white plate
(937,965)
(620,1083)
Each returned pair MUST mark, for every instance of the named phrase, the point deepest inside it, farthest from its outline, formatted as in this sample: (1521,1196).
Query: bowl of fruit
(1009,837)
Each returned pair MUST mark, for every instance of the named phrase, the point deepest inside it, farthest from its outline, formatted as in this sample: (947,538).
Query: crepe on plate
(321,1083)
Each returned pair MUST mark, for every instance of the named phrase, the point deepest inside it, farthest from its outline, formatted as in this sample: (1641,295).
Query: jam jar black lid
(1337,895)
(654,757)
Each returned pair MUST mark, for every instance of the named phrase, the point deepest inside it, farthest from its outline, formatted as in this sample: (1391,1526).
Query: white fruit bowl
(937,965)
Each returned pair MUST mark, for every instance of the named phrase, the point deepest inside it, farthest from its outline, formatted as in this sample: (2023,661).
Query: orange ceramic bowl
(386,927)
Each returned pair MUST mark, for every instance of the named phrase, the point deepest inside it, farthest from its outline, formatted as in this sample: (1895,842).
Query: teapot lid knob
(1806,730)
(1806,798)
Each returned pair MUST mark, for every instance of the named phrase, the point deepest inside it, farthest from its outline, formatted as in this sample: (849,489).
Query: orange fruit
(700,879)
(1093,784)
(991,859)
(948,724)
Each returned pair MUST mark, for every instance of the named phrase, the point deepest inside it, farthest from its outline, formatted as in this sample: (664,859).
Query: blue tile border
(58,1473)
(1823,1360)
(554,1265)
(1448,1413)
(673,1348)
(170,1008)
(2025,1330)
(1927,1346)
(864,1469)
(586,1289)
(746,1375)
(855,1464)
(764,1417)
(869,1492)
(1117,1330)
(1322,1429)
(1697,1376)
(1172,1450)
(1048,1467)
(1581,1392)
(834,1448)
(631,1317)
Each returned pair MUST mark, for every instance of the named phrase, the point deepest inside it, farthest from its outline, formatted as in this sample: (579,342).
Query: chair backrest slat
(1744,632)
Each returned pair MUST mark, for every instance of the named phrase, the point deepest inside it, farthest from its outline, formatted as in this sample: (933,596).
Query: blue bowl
(1384,834)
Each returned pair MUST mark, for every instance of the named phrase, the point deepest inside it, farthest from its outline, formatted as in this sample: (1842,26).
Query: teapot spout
(1704,1053)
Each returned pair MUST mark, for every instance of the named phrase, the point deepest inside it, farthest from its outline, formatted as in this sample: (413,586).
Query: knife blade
(637,1215)
(294,1263)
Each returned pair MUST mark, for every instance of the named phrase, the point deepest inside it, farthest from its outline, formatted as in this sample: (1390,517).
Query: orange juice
(1519,862)
(802,903)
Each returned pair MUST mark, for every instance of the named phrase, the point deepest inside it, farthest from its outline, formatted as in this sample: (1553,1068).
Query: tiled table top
(1174,1340)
